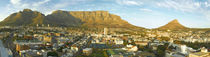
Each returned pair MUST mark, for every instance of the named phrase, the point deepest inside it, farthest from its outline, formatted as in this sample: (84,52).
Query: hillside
(24,18)
(173,25)
(59,18)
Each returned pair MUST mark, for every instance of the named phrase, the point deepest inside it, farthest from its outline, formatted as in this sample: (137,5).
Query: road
(3,50)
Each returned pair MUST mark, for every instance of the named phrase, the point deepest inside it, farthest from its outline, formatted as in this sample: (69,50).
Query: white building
(204,53)
(74,48)
(130,48)
(182,49)
(87,51)
(118,41)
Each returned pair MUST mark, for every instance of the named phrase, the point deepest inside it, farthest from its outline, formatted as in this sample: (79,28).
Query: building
(116,56)
(119,53)
(74,48)
(10,53)
(118,41)
(105,31)
(203,53)
(47,39)
(87,51)
(204,49)
(182,49)
(21,47)
(141,43)
(130,48)
(200,54)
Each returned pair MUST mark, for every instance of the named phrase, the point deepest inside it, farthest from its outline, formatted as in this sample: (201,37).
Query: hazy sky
(144,13)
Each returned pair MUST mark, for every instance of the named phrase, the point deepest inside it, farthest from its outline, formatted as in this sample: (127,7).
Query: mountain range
(85,19)
(89,19)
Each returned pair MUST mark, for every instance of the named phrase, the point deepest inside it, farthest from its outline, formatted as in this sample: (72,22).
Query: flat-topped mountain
(173,25)
(89,19)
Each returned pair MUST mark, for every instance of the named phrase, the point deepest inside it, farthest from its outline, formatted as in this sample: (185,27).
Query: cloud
(181,5)
(129,2)
(61,5)
(207,3)
(184,5)
(15,1)
(65,3)
(187,6)
(40,3)
(21,4)
(207,15)
(18,5)
(44,6)
(145,10)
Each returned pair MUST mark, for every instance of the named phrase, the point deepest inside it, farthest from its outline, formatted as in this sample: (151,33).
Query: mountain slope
(24,18)
(173,25)
(100,19)
(87,19)
(62,18)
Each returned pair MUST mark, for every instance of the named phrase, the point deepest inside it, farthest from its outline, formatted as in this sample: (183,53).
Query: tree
(53,53)
(161,50)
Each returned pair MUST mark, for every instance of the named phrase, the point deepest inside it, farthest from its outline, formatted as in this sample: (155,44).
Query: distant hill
(173,25)
(88,19)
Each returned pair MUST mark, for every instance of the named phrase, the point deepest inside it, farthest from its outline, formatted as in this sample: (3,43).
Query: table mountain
(89,19)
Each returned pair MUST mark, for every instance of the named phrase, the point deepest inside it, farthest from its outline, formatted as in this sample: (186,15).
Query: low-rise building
(87,51)
(47,39)
(141,43)
(203,53)
(131,48)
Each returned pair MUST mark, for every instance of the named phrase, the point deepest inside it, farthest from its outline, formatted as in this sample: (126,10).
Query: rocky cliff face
(89,19)
(62,18)
(100,19)
(173,25)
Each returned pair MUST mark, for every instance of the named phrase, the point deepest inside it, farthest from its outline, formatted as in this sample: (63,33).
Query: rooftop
(201,54)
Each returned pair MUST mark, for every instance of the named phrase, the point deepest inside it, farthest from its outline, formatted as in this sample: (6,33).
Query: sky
(143,13)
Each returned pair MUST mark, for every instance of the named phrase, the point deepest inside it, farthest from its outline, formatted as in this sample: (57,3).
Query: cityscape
(105,28)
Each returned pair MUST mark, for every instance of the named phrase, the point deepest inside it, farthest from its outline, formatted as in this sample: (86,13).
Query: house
(203,53)
(75,48)
(118,41)
(87,51)
(47,39)
(141,43)
(131,48)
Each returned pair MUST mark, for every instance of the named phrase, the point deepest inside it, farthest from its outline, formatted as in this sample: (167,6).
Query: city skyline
(143,13)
